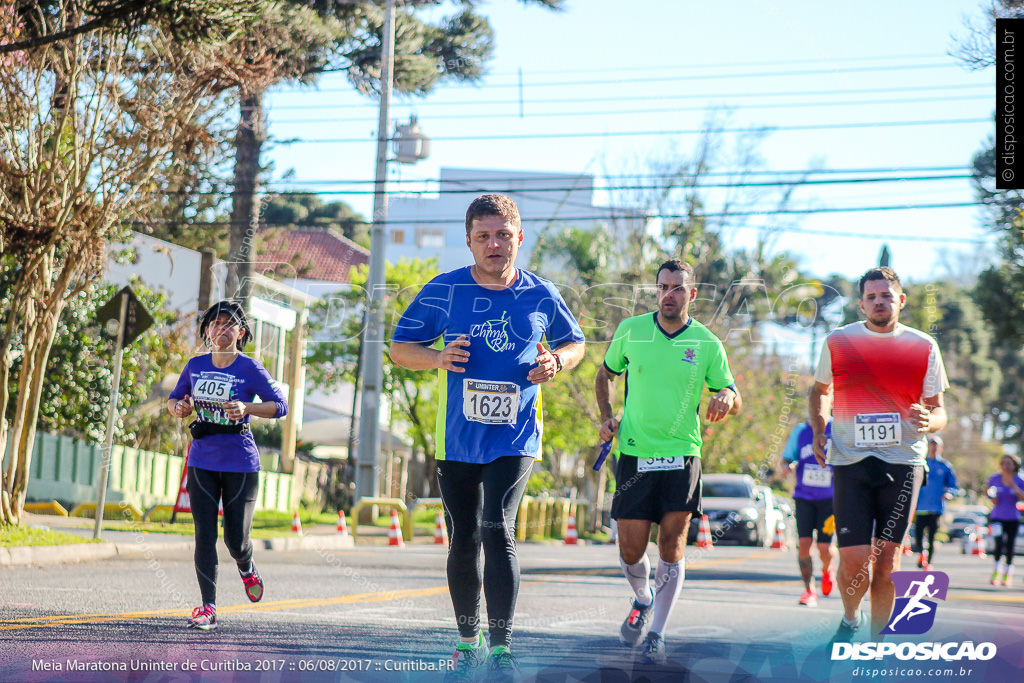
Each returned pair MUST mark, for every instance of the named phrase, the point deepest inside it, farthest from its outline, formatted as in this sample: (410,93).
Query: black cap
(237,315)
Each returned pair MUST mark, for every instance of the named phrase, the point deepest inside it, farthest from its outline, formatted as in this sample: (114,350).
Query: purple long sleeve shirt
(210,388)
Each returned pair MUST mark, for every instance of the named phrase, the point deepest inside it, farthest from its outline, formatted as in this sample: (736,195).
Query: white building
(435,226)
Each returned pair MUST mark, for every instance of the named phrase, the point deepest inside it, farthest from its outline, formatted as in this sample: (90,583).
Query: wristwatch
(558,362)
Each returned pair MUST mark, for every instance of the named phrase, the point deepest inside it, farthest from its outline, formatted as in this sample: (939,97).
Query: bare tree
(85,122)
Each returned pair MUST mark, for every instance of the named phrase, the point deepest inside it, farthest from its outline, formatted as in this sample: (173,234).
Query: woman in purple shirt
(223,463)
(1005,487)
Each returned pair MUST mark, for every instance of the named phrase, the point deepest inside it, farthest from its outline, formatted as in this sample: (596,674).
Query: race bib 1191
(877,430)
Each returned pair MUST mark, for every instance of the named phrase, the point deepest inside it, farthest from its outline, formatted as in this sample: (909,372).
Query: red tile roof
(311,253)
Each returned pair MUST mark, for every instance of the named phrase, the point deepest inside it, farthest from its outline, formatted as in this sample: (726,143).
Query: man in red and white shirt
(882,382)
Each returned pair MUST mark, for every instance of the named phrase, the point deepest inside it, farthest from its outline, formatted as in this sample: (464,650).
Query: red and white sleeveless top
(876,377)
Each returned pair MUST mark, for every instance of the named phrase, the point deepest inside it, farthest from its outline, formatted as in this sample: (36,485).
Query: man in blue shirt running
(492,319)
(812,495)
(939,487)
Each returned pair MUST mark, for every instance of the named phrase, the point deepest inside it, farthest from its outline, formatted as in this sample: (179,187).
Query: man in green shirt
(668,358)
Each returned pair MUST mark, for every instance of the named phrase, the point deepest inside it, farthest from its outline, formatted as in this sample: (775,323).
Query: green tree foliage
(299,40)
(336,326)
(999,292)
(608,273)
(42,22)
(76,393)
(85,121)
(286,212)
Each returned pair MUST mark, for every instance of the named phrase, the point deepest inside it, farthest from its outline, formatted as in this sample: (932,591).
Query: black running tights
(1006,540)
(481,502)
(206,488)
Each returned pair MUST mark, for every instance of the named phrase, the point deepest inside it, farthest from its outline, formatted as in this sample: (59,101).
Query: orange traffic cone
(780,540)
(704,533)
(395,533)
(440,530)
(342,525)
(570,531)
(979,541)
(296,524)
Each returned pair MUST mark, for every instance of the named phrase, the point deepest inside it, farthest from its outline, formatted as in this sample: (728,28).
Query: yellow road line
(986,598)
(73,619)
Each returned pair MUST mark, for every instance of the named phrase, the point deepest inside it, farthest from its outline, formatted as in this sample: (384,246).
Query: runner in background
(668,358)
(492,319)
(812,496)
(939,486)
(1005,487)
(223,462)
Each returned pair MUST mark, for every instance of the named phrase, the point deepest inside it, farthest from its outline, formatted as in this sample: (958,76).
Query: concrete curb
(85,552)
(313,542)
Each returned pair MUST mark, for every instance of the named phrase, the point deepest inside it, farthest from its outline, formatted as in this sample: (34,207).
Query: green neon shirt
(665,377)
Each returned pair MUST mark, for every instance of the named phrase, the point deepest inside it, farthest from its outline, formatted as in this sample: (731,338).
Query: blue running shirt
(210,388)
(491,410)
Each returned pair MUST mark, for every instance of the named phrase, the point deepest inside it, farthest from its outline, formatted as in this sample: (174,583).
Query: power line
(634,133)
(614,214)
(716,76)
(662,98)
(620,188)
(643,176)
(672,110)
(722,65)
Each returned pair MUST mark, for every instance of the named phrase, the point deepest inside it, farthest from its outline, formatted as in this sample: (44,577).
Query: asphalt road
(375,613)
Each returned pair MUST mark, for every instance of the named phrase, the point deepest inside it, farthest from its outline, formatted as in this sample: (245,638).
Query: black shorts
(811,516)
(874,499)
(649,495)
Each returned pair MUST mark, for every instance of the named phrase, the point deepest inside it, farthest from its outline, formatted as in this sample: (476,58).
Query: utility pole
(368,472)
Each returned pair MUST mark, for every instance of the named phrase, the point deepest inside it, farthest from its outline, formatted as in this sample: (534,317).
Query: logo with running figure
(494,333)
(914,610)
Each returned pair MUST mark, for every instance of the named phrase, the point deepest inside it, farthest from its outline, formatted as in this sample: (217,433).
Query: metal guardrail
(548,516)
(124,511)
(48,508)
(396,503)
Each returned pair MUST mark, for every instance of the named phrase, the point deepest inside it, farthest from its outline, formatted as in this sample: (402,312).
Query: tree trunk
(46,302)
(245,204)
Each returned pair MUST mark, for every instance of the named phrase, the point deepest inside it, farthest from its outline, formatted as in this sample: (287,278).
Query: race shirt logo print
(209,394)
(494,333)
(913,611)
(691,357)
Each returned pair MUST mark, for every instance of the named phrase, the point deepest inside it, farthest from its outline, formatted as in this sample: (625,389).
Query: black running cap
(237,316)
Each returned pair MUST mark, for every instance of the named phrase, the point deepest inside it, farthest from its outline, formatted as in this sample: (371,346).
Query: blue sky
(862,86)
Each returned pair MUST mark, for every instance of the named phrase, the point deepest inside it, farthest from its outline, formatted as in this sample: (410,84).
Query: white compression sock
(668,579)
(638,576)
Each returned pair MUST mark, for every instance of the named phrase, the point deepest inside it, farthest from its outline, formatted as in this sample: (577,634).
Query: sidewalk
(115,542)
